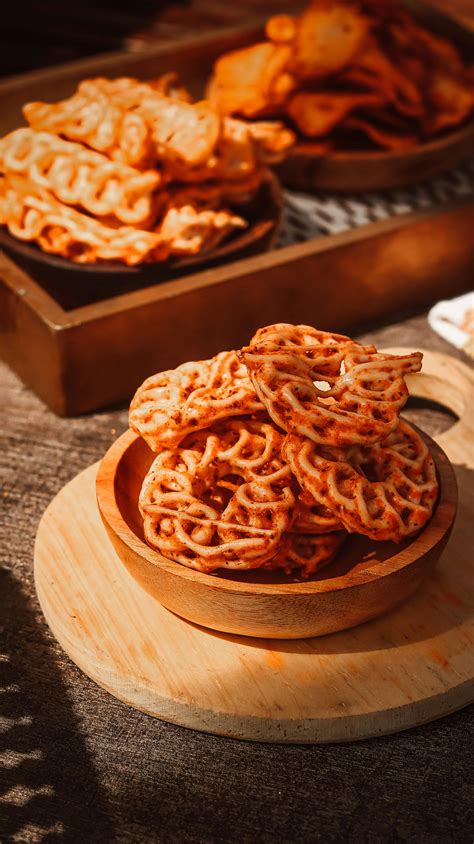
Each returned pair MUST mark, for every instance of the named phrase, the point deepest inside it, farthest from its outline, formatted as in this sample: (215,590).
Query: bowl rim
(428,538)
(305,148)
(269,196)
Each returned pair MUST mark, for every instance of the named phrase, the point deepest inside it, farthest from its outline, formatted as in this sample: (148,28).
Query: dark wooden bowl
(263,214)
(367,578)
(347,172)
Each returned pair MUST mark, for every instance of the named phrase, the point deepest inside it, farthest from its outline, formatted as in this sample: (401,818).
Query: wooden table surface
(87,767)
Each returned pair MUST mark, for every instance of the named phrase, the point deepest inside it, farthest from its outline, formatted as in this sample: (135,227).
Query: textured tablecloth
(79,765)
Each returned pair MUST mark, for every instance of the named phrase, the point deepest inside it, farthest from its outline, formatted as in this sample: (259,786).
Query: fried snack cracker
(239,154)
(179,129)
(249,80)
(306,553)
(328,36)
(374,68)
(282,334)
(386,491)
(31,213)
(130,121)
(234,158)
(222,499)
(191,232)
(186,132)
(314,518)
(328,388)
(380,135)
(91,118)
(195,395)
(281,29)
(316,113)
(314,67)
(80,177)
(272,140)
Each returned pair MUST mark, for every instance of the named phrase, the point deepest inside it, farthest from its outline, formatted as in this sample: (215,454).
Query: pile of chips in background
(349,74)
(131,171)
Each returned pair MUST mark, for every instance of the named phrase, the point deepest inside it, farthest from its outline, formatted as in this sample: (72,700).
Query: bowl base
(384,676)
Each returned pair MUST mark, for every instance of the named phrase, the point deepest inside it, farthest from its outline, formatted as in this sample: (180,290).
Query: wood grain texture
(347,280)
(403,669)
(408,667)
(52,334)
(450,382)
(367,578)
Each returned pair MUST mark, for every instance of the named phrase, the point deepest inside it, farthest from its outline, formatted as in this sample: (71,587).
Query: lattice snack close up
(221,500)
(233,486)
(32,213)
(385,490)
(327,387)
(133,172)
(171,404)
(78,176)
(306,552)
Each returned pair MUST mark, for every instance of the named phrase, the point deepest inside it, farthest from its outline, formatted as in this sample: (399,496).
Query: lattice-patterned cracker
(327,387)
(386,490)
(173,403)
(92,118)
(80,177)
(191,232)
(32,213)
(313,517)
(221,500)
(240,152)
(308,553)
(131,121)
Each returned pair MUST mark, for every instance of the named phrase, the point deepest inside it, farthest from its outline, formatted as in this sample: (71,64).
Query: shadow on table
(48,787)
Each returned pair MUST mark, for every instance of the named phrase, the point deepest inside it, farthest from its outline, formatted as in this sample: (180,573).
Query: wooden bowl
(345,172)
(263,214)
(367,579)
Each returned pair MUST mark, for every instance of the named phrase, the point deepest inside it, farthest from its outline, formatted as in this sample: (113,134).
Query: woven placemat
(308,216)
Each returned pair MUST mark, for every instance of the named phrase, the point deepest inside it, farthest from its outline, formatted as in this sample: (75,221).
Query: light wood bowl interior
(367,578)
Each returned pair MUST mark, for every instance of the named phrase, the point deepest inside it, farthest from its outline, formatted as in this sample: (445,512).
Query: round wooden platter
(405,668)
(306,168)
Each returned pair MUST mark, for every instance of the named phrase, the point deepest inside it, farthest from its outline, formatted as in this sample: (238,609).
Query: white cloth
(449,319)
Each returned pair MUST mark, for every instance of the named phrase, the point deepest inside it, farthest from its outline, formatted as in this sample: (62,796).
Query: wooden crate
(79,357)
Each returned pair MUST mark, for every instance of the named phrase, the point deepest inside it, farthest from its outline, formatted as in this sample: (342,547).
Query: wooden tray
(73,283)
(406,668)
(83,347)
(93,355)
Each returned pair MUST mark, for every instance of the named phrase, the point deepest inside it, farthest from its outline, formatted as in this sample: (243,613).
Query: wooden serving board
(410,666)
